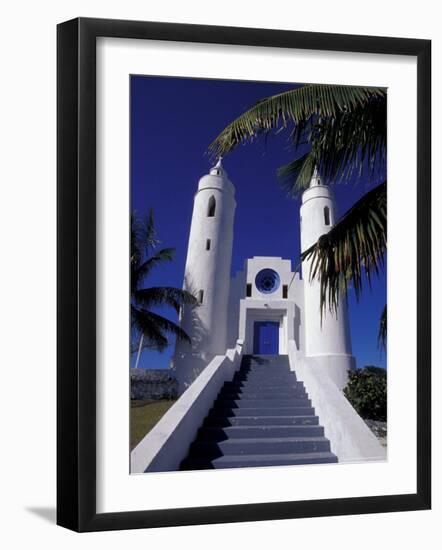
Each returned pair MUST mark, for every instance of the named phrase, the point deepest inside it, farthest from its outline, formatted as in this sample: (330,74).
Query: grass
(144,415)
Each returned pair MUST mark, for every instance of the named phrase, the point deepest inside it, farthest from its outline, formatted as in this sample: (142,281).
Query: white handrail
(167,444)
(350,438)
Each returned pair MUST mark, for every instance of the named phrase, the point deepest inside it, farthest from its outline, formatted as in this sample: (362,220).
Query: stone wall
(152,384)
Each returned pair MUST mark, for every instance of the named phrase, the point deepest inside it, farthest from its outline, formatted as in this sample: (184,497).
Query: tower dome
(217,178)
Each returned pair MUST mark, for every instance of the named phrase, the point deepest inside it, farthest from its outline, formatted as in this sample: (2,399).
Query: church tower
(207,274)
(327,343)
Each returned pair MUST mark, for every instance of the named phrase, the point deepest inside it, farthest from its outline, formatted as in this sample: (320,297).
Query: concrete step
(239,386)
(268,380)
(263,389)
(263,411)
(263,394)
(267,376)
(226,421)
(243,403)
(263,417)
(259,446)
(267,373)
(247,432)
(275,369)
(250,461)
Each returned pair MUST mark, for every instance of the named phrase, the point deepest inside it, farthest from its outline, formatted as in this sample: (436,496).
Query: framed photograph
(234,341)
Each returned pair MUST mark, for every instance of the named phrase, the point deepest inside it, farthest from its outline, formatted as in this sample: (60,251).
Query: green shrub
(367,392)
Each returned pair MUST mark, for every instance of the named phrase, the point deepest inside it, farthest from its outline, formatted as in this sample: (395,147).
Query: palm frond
(143,324)
(297,175)
(352,249)
(342,148)
(382,336)
(155,327)
(168,296)
(294,106)
(143,236)
(140,271)
(343,127)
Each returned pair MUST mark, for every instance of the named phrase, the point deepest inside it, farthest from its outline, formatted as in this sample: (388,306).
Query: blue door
(266,338)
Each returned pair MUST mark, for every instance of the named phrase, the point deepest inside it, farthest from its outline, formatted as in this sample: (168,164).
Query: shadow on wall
(191,323)
(189,359)
(297,330)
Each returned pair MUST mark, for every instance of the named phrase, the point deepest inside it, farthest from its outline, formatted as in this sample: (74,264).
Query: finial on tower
(218,169)
(316,178)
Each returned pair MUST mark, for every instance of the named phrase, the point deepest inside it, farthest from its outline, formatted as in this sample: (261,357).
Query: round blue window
(267,281)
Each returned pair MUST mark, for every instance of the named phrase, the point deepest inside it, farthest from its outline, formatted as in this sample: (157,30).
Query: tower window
(208,243)
(200,296)
(285,291)
(211,207)
(327,215)
(249,290)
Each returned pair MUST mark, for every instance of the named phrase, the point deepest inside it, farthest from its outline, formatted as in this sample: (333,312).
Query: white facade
(207,275)
(327,339)
(265,304)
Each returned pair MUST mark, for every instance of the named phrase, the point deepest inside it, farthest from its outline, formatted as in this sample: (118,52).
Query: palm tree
(341,130)
(150,329)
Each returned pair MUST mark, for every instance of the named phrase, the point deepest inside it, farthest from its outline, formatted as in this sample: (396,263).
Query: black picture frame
(76,272)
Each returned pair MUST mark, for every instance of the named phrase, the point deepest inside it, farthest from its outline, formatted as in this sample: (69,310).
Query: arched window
(211,207)
(327,215)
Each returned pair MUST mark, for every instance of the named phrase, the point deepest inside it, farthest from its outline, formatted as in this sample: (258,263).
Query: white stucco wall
(227,313)
(350,438)
(207,271)
(167,444)
(329,336)
(260,306)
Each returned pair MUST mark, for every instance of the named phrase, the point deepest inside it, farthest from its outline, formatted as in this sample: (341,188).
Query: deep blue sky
(173,120)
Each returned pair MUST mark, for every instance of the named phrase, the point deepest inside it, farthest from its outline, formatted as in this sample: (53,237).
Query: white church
(261,384)
(266,305)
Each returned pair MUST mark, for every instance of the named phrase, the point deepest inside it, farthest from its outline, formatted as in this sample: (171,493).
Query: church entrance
(266,338)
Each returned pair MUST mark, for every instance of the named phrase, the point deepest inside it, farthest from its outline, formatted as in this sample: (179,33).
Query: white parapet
(350,438)
(167,444)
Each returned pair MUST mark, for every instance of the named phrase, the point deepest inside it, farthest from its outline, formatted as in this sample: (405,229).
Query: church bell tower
(327,342)
(207,274)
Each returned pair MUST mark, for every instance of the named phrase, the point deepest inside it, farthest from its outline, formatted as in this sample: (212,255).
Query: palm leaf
(344,127)
(143,324)
(295,106)
(382,336)
(353,248)
(155,328)
(168,296)
(297,175)
(140,271)
(143,236)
